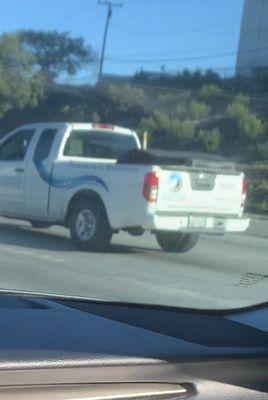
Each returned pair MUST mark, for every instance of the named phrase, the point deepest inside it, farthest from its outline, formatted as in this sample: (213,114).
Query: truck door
(13,152)
(38,175)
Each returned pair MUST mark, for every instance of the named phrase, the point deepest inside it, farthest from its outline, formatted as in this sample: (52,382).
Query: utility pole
(109,6)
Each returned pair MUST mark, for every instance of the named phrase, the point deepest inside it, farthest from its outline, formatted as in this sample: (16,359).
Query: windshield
(134,150)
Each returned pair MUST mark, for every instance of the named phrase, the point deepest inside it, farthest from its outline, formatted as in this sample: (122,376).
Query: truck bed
(178,158)
(191,182)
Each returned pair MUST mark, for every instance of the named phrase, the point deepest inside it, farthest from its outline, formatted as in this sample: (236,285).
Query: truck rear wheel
(176,242)
(89,226)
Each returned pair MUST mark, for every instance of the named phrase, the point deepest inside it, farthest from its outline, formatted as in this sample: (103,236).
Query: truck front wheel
(89,226)
(176,242)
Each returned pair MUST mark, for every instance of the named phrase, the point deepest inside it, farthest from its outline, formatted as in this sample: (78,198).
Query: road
(220,272)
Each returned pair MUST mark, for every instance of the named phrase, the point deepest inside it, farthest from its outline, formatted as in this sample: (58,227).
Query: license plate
(197,222)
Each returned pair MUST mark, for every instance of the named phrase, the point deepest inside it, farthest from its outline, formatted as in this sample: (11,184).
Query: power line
(191,58)
(129,29)
(167,53)
(109,6)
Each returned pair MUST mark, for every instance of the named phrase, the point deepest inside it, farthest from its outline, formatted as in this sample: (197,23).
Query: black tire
(176,242)
(95,238)
(40,225)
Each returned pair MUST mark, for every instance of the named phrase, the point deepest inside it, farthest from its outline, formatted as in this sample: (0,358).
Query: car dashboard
(76,349)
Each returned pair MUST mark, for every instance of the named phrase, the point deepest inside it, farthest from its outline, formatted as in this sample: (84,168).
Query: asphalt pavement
(220,272)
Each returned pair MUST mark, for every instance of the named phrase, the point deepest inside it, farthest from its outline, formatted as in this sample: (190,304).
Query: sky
(148,34)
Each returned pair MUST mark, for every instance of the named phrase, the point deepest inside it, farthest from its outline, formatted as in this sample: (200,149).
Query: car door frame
(32,171)
(19,165)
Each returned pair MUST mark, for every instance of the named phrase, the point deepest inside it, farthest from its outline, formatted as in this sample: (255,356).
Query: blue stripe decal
(68,183)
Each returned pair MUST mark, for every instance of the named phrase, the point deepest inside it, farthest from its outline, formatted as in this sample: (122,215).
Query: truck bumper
(201,224)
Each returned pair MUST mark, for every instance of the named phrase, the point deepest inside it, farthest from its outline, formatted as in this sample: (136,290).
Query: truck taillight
(244,192)
(150,187)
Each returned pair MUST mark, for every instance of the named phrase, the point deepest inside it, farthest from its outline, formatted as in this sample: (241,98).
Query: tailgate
(192,191)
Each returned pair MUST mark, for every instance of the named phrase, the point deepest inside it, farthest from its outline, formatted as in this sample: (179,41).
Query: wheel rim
(85,225)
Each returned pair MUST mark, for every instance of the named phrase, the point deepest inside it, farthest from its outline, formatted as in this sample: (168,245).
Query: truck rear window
(97,144)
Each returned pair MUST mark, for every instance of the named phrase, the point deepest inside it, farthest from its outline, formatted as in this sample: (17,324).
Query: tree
(249,125)
(210,93)
(20,85)
(147,124)
(56,53)
(197,78)
(175,132)
(198,111)
(185,78)
(209,139)
(211,77)
(162,121)
(262,152)
(126,96)
(179,111)
(183,131)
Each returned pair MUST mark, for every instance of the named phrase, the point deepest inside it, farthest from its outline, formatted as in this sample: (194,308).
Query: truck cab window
(15,148)
(44,144)
(94,144)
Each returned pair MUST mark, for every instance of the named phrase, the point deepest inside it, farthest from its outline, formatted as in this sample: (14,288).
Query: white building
(253,45)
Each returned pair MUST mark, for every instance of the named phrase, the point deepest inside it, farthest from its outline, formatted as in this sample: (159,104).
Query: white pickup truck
(84,176)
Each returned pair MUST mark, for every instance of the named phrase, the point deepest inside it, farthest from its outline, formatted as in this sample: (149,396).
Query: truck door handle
(19,170)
